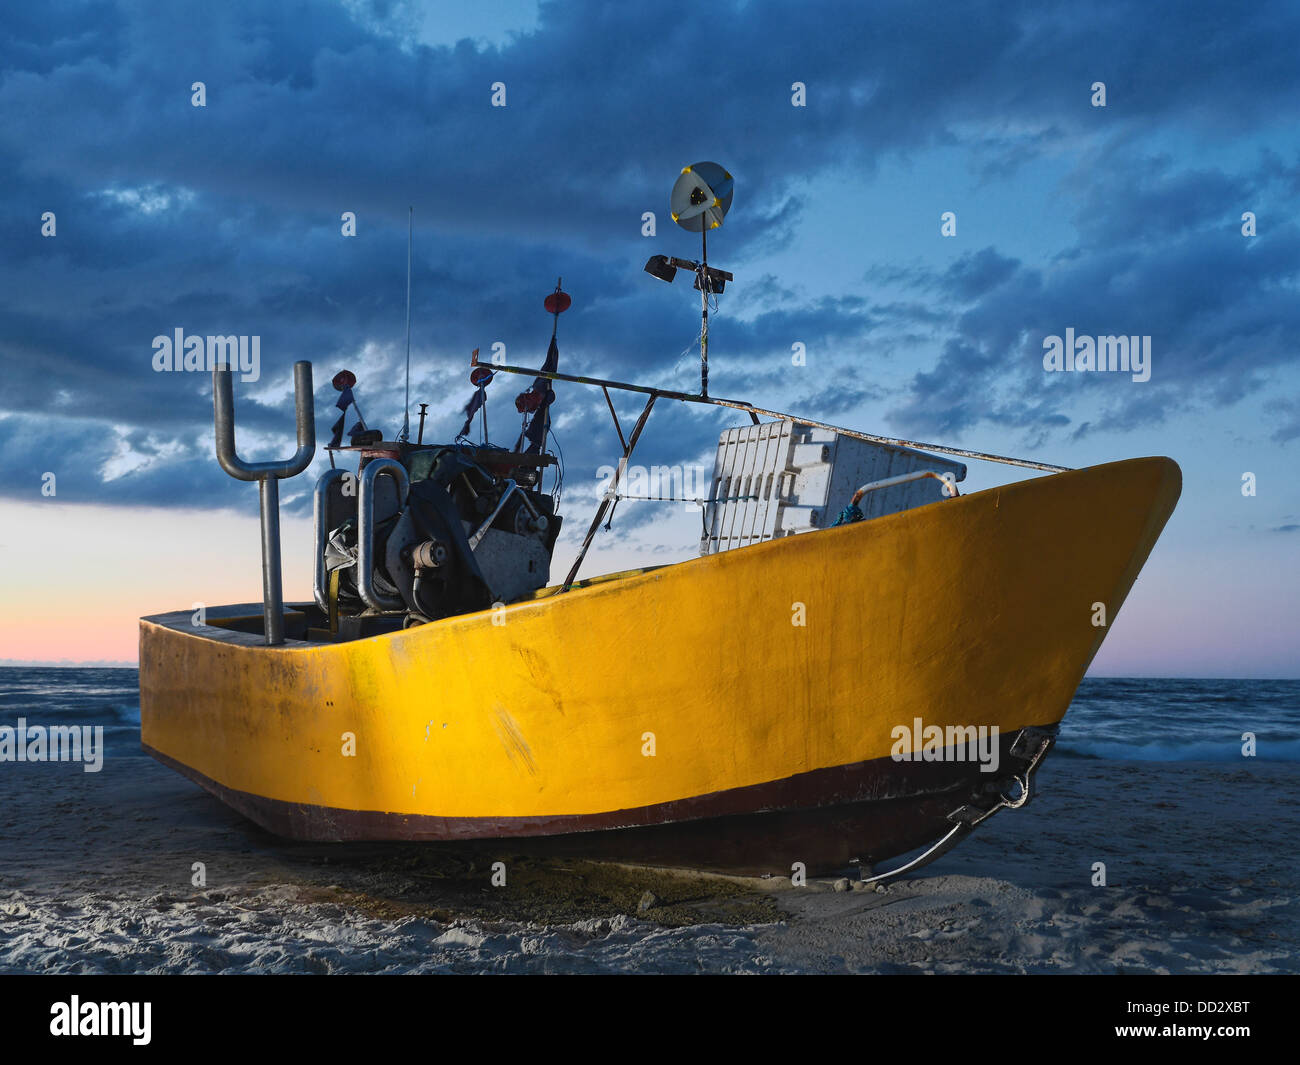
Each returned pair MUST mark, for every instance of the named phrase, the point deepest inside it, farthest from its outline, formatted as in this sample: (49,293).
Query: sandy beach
(1202,876)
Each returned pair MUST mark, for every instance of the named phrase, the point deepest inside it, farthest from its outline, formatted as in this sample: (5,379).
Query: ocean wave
(129,713)
(47,712)
(1200,751)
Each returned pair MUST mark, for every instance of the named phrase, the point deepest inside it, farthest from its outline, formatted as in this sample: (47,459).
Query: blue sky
(1123,219)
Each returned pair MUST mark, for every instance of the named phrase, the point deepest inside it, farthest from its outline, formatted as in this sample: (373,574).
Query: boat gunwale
(181,621)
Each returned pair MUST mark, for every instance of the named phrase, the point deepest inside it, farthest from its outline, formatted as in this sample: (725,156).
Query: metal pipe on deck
(267,474)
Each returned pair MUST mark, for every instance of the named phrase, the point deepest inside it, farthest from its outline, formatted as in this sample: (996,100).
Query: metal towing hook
(268,476)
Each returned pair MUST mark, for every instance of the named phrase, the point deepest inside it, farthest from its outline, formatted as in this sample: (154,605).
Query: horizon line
(64,663)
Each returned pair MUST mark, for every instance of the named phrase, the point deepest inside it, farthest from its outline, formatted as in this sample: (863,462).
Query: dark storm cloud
(225,219)
(974,276)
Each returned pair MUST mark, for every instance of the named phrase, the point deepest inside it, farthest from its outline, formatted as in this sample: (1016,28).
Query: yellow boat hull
(735,711)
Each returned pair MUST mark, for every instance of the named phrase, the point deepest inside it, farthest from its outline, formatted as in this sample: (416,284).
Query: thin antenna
(406,407)
(703,278)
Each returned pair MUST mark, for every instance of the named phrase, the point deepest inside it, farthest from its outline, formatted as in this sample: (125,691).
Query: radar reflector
(701,197)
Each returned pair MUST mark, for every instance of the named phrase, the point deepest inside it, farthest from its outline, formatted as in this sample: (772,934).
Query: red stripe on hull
(825,819)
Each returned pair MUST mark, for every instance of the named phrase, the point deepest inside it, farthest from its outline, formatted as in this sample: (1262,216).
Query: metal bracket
(609,495)
(1030,746)
(511,487)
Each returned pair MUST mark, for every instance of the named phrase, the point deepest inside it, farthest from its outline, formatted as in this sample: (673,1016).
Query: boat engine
(429,531)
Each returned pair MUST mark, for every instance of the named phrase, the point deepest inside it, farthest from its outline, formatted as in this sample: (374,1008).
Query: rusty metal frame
(614,414)
(689,397)
(609,496)
(753,411)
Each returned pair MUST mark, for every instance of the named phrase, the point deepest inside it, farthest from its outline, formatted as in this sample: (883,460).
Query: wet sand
(1202,875)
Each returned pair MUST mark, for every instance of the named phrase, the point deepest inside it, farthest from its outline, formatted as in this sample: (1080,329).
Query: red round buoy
(344,379)
(558,302)
(480,375)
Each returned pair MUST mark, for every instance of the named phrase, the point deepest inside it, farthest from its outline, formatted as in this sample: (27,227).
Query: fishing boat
(860,665)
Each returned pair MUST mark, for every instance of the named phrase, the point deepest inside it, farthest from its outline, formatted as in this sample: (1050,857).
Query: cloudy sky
(226,219)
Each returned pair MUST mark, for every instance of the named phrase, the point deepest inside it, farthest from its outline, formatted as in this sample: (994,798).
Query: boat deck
(306,624)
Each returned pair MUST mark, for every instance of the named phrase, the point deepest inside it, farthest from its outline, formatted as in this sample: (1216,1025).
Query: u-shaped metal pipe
(223,406)
(268,475)
(375,469)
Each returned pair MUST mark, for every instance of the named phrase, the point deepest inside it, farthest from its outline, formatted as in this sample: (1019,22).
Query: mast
(704,311)
(405,434)
(699,201)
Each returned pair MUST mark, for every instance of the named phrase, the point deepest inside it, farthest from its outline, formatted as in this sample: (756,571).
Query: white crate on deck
(779,478)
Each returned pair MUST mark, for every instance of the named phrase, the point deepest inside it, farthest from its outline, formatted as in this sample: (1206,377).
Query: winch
(430,530)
